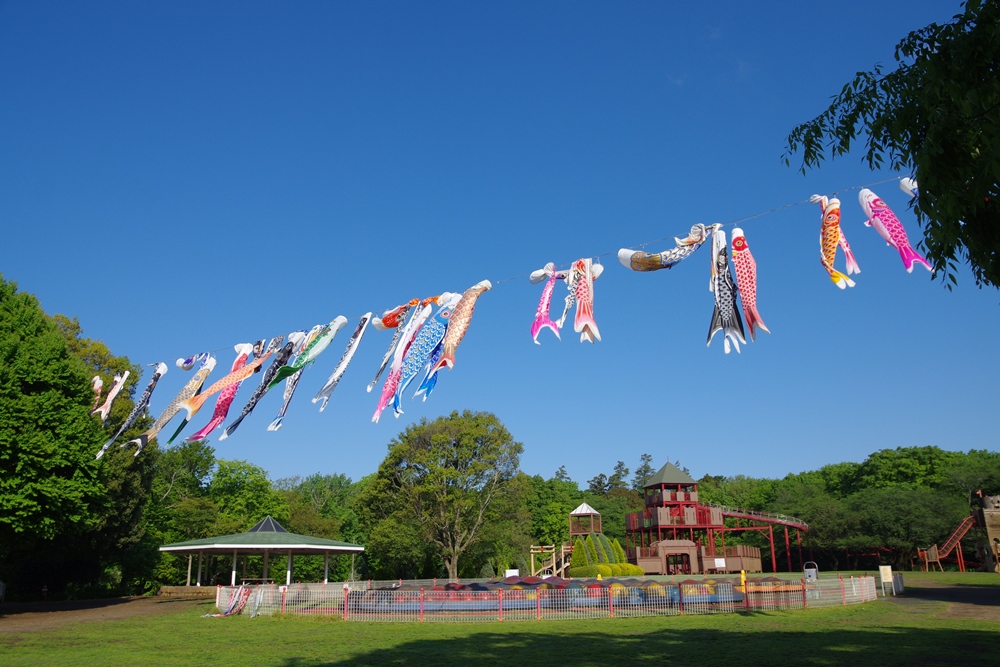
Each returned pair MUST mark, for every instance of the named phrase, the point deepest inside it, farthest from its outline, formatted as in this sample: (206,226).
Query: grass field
(910,631)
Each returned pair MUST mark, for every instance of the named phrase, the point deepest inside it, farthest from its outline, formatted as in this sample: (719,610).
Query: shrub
(602,557)
(608,550)
(591,551)
(616,569)
(580,556)
(619,552)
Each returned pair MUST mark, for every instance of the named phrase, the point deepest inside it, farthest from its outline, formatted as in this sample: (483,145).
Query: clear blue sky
(187,176)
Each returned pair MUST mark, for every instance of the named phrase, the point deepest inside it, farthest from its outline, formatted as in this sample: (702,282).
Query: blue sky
(187,176)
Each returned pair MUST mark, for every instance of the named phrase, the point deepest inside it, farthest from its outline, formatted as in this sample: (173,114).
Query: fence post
(538,604)
(284,591)
(843,591)
(421,605)
(500,599)
(611,602)
(805,605)
(347,594)
(680,597)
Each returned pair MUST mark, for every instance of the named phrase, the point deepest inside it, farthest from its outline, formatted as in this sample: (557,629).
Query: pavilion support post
(352,566)
(190,558)
(232,580)
(326,567)
(288,570)
(245,557)
(200,555)
(265,565)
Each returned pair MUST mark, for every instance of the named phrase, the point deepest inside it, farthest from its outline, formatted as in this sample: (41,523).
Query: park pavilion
(266,538)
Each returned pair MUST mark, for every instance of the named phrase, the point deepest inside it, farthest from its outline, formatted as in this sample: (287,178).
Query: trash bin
(811,573)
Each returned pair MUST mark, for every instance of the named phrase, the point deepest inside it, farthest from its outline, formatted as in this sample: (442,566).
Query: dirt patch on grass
(978,602)
(34,616)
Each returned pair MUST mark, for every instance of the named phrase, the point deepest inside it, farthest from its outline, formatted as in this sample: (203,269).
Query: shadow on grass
(981,595)
(14,608)
(896,646)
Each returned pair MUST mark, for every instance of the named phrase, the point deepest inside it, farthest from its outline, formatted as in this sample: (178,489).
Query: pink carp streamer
(227,396)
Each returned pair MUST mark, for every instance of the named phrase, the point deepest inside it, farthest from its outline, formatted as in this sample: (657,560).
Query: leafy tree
(562,475)
(244,495)
(442,477)
(979,470)
(906,466)
(51,491)
(598,484)
(618,477)
(643,472)
(549,503)
(936,115)
(898,520)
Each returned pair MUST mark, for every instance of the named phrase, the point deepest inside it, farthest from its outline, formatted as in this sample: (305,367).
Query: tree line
(448,500)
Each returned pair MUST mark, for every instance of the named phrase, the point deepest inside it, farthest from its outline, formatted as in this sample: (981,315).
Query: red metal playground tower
(675,534)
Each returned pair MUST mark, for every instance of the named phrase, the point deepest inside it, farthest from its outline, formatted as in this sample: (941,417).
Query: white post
(200,554)
(190,556)
(232,581)
(265,566)
(352,566)
(288,570)
(326,567)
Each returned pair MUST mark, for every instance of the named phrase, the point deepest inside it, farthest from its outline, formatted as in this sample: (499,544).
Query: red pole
(805,605)
(347,594)
(798,536)
(774,557)
(538,605)
(843,592)
(284,590)
(680,597)
(788,550)
(500,598)
(611,602)
(421,605)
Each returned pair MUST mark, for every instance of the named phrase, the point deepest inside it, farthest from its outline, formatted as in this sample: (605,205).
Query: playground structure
(556,560)
(655,537)
(987,518)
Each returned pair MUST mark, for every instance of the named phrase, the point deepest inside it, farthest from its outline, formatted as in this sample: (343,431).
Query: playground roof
(267,535)
(670,474)
(583,510)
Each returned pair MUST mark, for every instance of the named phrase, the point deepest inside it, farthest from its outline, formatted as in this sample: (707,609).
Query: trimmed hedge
(590,571)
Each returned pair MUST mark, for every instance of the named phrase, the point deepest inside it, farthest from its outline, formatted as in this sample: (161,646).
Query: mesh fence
(407,602)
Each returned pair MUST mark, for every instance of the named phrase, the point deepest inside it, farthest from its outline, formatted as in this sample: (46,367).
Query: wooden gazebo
(583,520)
(263,539)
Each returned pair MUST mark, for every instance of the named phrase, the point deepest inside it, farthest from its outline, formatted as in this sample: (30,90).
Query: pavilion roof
(267,535)
(670,474)
(584,510)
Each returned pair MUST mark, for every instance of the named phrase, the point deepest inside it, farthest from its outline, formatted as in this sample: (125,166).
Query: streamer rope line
(731,223)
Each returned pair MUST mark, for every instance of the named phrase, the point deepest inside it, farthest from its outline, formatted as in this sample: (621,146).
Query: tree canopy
(937,116)
(441,479)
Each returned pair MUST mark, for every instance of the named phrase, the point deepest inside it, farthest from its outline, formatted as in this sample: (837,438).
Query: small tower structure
(584,520)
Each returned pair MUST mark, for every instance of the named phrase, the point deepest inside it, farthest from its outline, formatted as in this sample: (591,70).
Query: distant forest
(449,498)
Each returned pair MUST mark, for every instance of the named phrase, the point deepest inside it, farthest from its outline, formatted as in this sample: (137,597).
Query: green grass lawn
(881,633)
